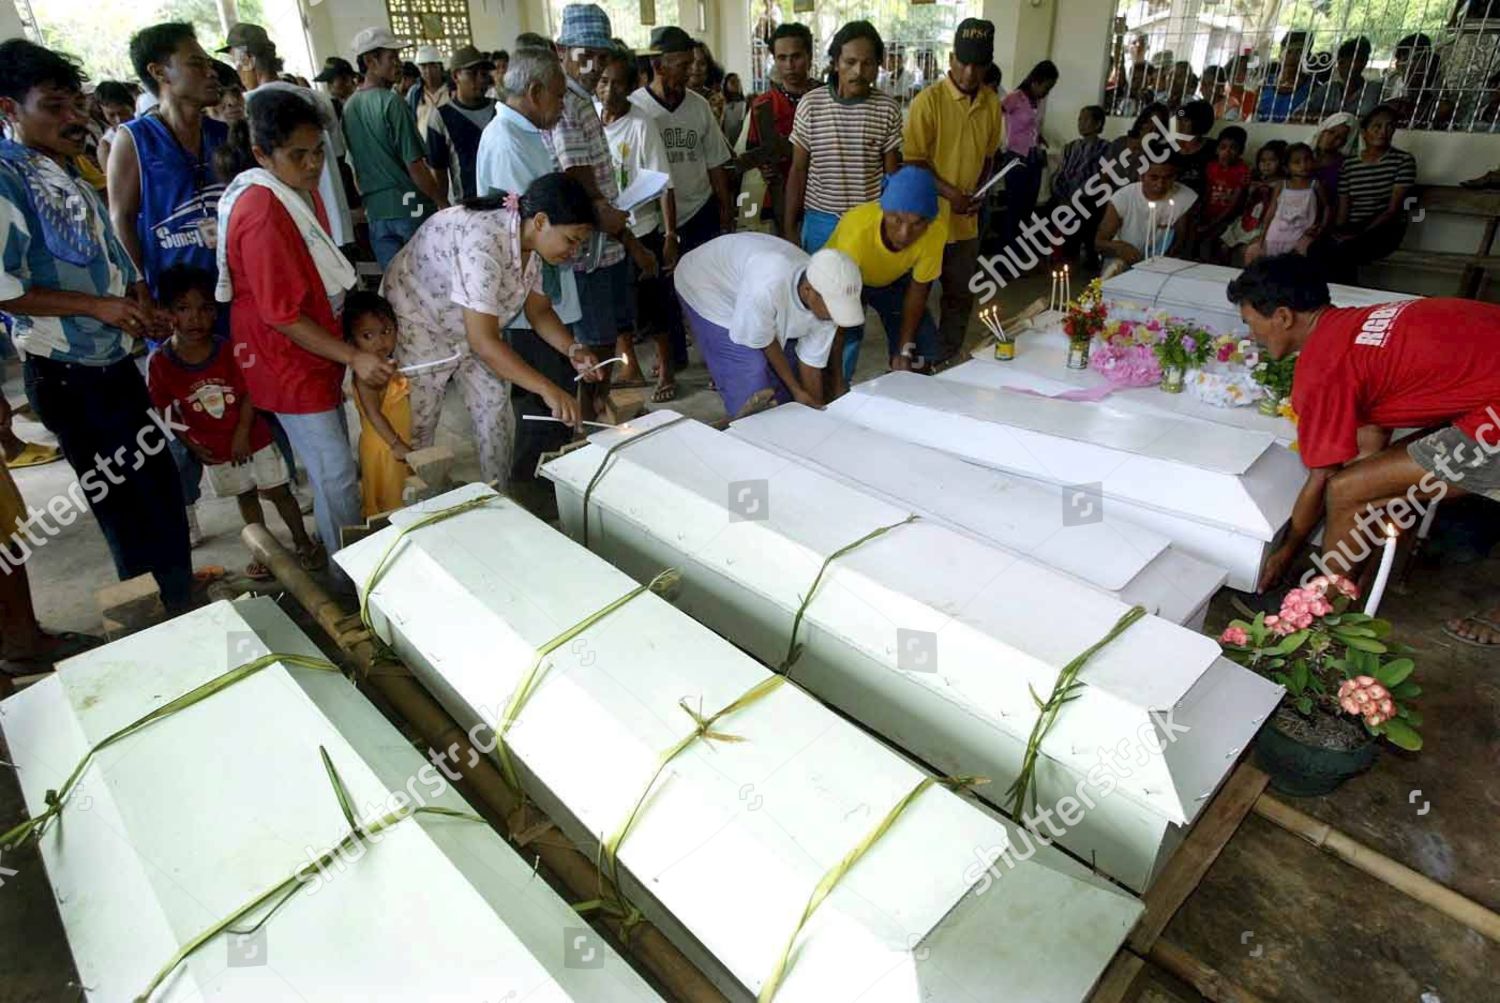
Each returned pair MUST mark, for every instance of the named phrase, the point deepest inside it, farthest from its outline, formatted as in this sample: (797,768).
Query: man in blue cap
(898,243)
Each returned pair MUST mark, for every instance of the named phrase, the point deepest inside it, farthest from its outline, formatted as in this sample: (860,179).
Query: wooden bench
(1471,268)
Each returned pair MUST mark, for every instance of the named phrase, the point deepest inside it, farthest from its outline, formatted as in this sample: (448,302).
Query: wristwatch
(575,348)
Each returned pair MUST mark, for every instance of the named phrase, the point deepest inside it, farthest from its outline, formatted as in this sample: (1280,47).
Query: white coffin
(1200,293)
(926,636)
(737,835)
(1021,516)
(1220,494)
(179,825)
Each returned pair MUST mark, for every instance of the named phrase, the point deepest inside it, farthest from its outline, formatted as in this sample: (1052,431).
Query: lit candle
(1067,284)
(1166,237)
(1151,232)
(1052,296)
(1387,559)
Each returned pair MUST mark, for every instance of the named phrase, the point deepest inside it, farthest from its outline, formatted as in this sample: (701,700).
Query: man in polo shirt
(1361,373)
(73,296)
(698,154)
(898,245)
(953,130)
(385,150)
(453,131)
(751,297)
(431,92)
(580,147)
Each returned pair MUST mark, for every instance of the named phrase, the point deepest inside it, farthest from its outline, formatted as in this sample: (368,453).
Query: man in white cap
(385,150)
(750,297)
(431,93)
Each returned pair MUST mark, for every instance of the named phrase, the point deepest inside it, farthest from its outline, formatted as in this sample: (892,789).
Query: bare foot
(1478,629)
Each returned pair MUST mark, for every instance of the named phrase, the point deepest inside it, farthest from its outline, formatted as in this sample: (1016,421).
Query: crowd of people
(217,217)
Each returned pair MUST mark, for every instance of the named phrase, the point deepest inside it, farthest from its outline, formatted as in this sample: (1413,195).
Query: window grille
(443,23)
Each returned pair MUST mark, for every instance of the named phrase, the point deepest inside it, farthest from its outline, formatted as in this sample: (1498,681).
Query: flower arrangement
(1183,346)
(1231,351)
(1086,314)
(1332,661)
(1125,354)
(1275,375)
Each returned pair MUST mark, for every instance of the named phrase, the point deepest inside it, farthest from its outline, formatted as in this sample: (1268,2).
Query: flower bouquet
(1124,352)
(1225,379)
(1346,685)
(1083,321)
(1182,346)
(1275,378)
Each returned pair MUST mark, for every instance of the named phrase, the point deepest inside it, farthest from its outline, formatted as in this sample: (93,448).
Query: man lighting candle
(1363,372)
(750,297)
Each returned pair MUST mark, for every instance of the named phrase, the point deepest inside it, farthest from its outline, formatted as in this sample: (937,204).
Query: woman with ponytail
(468,271)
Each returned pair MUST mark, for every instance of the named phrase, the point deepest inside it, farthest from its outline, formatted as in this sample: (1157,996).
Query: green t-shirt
(382,136)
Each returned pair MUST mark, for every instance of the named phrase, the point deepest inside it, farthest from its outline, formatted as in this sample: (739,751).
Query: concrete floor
(1273,915)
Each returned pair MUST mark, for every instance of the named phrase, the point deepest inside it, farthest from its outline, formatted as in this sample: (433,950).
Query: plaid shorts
(1457,459)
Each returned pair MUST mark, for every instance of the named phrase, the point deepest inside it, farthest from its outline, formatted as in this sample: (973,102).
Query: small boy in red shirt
(1228,182)
(198,378)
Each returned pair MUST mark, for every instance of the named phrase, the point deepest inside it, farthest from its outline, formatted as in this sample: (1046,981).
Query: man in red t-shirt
(791,47)
(1363,372)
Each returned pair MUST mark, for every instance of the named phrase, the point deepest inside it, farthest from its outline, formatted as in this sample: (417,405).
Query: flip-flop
(314,558)
(258,572)
(208,573)
(1472,642)
(34,454)
(663,395)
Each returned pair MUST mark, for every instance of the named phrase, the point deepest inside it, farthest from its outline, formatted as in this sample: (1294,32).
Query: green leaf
(1357,617)
(1347,632)
(1281,679)
(1402,735)
(1381,627)
(1395,671)
(1304,705)
(1410,716)
(1365,644)
(1291,642)
(1406,690)
(1300,674)
(1333,620)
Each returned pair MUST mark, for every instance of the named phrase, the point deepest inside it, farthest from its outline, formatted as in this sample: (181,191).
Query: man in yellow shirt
(898,245)
(953,130)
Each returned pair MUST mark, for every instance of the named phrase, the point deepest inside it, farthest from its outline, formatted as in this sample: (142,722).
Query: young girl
(1270,168)
(1298,212)
(385,411)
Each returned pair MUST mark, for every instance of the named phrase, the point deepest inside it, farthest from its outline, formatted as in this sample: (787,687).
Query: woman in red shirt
(282,274)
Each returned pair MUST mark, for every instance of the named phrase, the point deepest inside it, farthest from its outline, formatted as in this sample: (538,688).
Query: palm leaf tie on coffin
(836,874)
(383,565)
(610,451)
(282,893)
(57,798)
(1064,689)
(610,898)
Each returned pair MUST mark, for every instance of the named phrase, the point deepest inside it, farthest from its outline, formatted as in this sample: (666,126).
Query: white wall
(10,21)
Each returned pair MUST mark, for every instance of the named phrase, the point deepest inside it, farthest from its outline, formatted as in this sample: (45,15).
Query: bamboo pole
(1400,877)
(482,782)
(1207,980)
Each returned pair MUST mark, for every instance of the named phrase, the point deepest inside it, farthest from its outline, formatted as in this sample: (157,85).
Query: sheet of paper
(647,185)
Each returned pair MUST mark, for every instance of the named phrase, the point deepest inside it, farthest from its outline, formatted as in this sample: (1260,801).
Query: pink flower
(1235,636)
(1226,352)
(1344,586)
(1366,697)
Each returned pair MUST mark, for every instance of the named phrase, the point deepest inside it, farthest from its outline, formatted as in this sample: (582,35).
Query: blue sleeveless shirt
(179,197)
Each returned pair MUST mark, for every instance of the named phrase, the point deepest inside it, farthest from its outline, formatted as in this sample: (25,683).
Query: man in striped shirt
(845,139)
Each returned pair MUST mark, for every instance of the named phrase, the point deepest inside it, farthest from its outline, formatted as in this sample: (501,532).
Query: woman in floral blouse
(456,284)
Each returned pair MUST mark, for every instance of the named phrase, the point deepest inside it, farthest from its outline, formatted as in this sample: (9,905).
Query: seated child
(1228,185)
(1298,212)
(1146,219)
(199,379)
(385,412)
(1270,168)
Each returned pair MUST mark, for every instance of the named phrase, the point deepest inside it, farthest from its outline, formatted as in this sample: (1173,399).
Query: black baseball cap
(669,38)
(974,42)
(335,67)
(246,36)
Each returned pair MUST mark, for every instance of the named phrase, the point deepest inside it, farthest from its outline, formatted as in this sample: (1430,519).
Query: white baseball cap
(836,278)
(370,39)
(429,54)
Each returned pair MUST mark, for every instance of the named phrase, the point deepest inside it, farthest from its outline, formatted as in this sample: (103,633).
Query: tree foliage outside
(97,32)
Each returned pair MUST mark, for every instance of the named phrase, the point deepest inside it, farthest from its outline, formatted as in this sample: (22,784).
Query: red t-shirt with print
(1398,365)
(206,398)
(1224,187)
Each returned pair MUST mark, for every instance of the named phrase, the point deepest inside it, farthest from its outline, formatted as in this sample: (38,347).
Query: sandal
(1490,625)
(34,454)
(208,573)
(258,572)
(313,558)
(664,394)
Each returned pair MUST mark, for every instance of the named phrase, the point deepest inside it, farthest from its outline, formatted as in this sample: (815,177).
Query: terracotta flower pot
(1310,757)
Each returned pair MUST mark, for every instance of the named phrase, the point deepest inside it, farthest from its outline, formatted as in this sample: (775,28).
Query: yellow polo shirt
(858,235)
(954,133)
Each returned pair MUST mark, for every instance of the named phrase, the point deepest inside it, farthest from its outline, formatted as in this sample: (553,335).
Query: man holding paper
(579,146)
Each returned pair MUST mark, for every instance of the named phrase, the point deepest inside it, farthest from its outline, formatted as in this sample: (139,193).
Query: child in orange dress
(385,412)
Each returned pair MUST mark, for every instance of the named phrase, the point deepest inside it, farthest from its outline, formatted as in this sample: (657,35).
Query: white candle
(1052,297)
(1166,237)
(1387,559)
(1151,232)
(1067,284)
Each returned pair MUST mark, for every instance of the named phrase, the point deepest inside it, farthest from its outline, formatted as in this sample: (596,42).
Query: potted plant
(1182,346)
(1275,378)
(1346,686)
(1083,321)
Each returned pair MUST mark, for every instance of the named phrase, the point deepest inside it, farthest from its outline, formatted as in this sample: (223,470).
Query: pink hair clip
(513,202)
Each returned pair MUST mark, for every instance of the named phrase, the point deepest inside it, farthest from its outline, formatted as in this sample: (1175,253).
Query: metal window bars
(443,23)
(1437,62)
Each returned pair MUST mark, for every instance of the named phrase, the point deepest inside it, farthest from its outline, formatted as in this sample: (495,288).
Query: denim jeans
(321,440)
(387,236)
(189,471)
(817,227)
(888,302)
(101,417)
